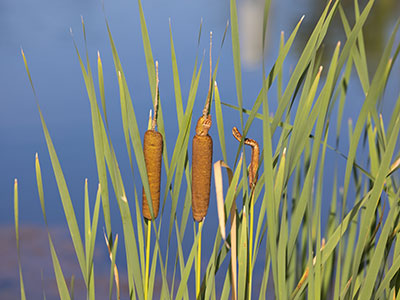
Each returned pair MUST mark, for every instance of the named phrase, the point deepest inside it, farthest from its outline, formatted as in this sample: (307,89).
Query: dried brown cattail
(152,148)
(202,150)
(255,153)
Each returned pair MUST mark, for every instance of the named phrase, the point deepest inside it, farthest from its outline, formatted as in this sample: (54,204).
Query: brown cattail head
(255,154)
(202,158)
(152,148)
(201,168)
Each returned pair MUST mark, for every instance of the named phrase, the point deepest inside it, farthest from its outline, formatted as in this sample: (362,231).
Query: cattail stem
(146,278)
(251,242)
(198,261)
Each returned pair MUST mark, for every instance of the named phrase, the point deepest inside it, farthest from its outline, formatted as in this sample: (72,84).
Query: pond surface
(42,29)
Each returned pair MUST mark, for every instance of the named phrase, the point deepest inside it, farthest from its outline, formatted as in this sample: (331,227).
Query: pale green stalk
(146,278)
(199,262)
(251,242)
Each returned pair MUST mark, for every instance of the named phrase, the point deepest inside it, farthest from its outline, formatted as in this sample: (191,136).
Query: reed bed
(354,253)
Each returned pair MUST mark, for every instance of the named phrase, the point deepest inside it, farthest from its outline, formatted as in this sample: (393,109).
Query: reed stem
(198,261)
(251,242)
(146,278)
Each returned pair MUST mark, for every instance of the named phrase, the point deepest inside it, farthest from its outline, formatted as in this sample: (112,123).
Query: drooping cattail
(255,153)
(202,150)
(152,148)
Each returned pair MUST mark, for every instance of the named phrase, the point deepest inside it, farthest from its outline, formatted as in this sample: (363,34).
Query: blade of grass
(236,56)
(113,269)
(61,284)
(376,261)
(62,188)
(98,140)
(16,222)
(152,79)
(242,256)
(373,201)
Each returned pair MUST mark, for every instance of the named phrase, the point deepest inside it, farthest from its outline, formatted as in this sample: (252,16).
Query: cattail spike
(156,100)
(209,96)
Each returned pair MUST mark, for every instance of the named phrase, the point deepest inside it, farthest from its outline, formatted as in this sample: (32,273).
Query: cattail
(255,153)
(152,148)
(202,150)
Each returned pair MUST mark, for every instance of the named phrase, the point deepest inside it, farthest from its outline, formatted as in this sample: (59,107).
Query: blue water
(42,29)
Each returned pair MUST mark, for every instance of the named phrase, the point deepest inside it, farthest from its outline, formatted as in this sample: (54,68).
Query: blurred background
(42,29)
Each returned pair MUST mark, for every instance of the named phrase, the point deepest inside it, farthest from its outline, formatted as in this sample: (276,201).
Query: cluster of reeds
(357,255)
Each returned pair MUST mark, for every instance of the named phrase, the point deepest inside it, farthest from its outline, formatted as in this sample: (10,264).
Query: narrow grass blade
(101,87)
(97,137)
(376,261)
(269,193)
(177,83)
(219,190)
(220,122)
(16,223)
(373,201)
(359,60)
(306,56)
(242,257)
(370,101)
(181,260)
(61,284)
(152,79)
(281,259)
(236,56)
(113,269)
(93,229)
(322,107)
(63,191)
(187,270)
